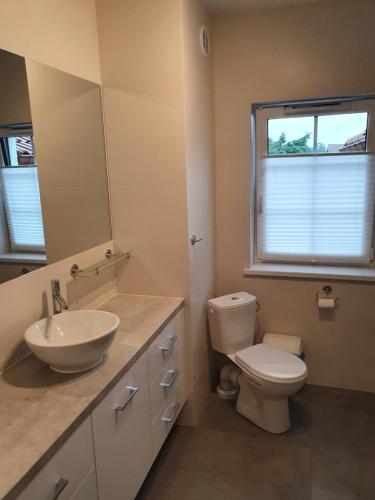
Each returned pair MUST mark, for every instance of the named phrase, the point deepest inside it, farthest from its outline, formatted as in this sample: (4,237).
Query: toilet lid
(271,364)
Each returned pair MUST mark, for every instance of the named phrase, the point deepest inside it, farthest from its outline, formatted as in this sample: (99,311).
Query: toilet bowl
(269,376)
(264,377)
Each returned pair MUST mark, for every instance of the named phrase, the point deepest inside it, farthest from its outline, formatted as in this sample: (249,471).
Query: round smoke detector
(204,41)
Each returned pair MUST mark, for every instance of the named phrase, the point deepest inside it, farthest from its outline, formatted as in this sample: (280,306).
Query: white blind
(316,209)
(22,207)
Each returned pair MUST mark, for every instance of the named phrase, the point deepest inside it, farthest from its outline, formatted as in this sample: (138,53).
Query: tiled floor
(329,453)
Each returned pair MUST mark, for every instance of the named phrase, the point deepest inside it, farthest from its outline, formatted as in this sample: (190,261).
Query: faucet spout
(59,303)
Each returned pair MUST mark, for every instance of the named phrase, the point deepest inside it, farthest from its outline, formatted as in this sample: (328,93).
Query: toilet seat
(273,365)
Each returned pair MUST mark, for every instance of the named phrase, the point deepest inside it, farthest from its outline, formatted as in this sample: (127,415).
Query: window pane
(316,209)
(25,150)
(342,133)
(294,135)
(17,150)
(20,191)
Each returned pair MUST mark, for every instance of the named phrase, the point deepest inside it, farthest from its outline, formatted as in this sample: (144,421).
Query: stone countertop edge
(26,479)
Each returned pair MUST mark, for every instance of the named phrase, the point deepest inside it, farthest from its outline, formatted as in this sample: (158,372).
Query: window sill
(312,272)
(24,258)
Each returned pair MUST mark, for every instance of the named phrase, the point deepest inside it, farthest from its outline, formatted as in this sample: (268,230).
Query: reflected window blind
(20,190)
(316,209)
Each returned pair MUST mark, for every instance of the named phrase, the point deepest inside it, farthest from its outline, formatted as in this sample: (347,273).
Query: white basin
(72,341)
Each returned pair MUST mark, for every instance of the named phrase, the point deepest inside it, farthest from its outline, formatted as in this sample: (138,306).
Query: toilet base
(270,413)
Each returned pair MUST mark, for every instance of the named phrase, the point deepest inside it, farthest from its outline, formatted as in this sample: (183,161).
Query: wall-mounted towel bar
(109,260)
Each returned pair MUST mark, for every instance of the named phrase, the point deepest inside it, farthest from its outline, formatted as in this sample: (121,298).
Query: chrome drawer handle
(169,378)
(60,487)
(122,406)
(168,344)
(171,412)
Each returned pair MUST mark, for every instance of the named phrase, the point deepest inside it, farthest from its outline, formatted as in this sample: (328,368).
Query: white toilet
(264,377)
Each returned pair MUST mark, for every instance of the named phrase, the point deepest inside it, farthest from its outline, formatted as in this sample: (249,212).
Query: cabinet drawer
(122,435)
(66,469)
(87,489)
(165,345)
(164,384)
(166,418)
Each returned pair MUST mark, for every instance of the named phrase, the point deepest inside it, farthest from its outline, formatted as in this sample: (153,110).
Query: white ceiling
(226,5)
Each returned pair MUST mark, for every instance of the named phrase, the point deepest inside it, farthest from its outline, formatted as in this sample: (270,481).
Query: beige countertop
(40,409)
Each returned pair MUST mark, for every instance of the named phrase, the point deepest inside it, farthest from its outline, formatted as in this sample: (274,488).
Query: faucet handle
(59,303)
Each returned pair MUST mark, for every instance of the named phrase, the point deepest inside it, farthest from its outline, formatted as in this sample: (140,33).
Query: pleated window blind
(21,199)
(316,209)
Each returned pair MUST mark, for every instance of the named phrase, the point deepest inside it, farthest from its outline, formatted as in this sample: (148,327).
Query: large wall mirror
(53,180)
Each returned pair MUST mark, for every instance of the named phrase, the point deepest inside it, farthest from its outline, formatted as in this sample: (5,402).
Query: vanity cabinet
(132,422)
(110,454)
(122,435)
(70,474)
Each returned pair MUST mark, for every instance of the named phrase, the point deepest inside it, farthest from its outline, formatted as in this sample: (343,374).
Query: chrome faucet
(59,303)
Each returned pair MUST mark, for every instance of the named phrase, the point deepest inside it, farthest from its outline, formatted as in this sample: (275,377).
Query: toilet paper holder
(325,298)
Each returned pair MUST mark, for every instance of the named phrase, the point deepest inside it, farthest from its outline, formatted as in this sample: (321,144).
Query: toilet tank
(232,321)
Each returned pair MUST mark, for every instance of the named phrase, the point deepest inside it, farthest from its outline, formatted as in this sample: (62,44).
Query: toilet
(263,377)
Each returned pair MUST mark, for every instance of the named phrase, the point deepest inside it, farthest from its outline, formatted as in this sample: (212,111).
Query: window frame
(259,142)
(7,132)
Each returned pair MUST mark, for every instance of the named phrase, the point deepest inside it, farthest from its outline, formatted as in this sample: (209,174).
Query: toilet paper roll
(324,303)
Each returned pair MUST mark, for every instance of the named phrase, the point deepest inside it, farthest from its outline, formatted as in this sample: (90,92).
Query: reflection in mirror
(54,193)
(22,245)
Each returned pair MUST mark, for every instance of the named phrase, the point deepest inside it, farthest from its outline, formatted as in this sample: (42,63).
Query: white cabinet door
(66,470)
(87,489)
(122,435)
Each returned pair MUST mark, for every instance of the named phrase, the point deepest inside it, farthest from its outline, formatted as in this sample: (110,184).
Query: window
(20,194)
(315,183)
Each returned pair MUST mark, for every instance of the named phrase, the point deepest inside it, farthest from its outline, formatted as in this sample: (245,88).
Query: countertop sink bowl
(73,341)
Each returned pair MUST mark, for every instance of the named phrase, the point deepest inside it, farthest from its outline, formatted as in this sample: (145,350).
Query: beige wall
(60,33)
(143,101)
(197,75)
(314,50)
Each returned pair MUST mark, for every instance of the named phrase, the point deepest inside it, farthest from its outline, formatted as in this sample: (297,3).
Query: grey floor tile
(329,454)
(342,419)
(343,475)
(217,465)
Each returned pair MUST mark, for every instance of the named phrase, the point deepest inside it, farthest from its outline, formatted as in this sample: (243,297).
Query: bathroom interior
(187,192)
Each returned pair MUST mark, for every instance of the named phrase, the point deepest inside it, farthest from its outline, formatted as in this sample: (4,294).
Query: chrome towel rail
(110,259)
